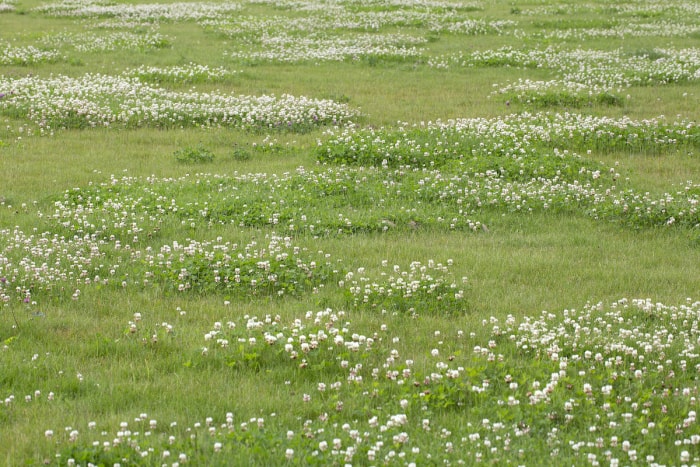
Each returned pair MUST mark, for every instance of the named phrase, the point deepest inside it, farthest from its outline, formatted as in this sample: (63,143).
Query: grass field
(353,232)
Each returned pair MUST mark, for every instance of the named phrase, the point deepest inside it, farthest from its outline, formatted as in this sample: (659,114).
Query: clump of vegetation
(194,155)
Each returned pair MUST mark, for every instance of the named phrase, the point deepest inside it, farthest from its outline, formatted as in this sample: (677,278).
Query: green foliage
(539,99)
(240,154)
(194,155)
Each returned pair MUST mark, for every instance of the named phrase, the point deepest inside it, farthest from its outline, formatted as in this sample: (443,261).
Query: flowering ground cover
(89,42)
(98,100)
(219,246)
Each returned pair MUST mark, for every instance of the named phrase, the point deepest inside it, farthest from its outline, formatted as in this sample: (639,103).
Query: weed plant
(196,155)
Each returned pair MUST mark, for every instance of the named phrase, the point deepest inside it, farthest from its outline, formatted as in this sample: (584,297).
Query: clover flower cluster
(326,17)
(617,70)
(98,241)
(106,42)
(610,383)
(501,57)
(527,173)
(472,27)
(42,263)
(679,9)
(318,203)
(352,16)
(28,55)
(277,268)
(664,28)
(584,72)
(189,73)
(143,12)
(521,168)
(305,342)
(331,18)
(424,287)
(618,331)
(616,371)
(249,29)
(96,100)
(53,267)
(380,4)
(556,92)
(113,219)
(216,437)
(279,38)
(283,48)
(7,6)
(507,163)
(524,138)
(579,132)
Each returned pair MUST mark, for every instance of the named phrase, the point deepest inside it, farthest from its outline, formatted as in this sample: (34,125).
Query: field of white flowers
(292,283)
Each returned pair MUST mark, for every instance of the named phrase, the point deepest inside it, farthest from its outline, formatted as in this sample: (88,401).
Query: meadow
(349,232)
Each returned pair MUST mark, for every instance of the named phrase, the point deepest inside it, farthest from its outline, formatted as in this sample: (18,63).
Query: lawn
(353,232)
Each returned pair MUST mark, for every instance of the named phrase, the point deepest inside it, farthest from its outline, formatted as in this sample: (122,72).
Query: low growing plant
(194,155)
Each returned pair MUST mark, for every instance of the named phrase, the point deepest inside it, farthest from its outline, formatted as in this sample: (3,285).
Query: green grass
(505,211)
